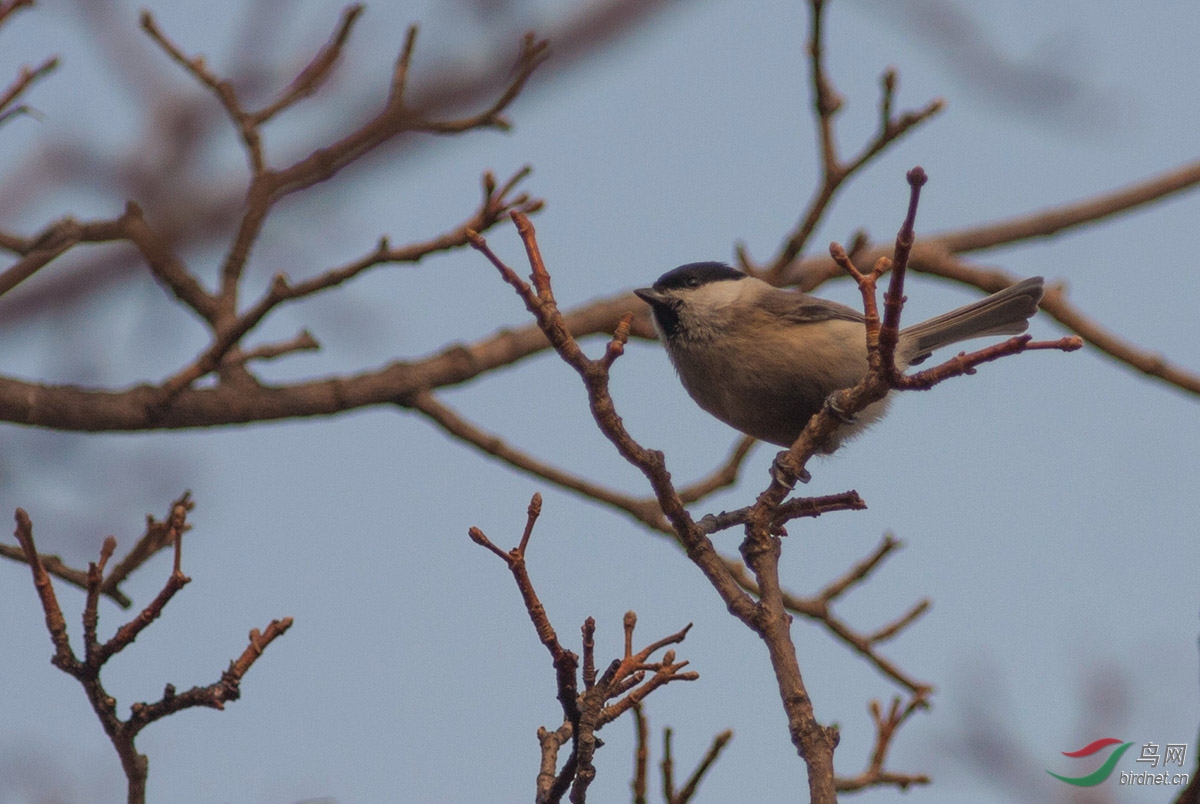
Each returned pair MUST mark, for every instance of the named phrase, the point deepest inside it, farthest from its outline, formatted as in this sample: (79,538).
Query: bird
(764,360)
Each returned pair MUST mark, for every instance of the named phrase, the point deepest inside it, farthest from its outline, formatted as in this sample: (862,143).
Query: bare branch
(64,657)
(310,79)
(641,755)
(158,535)
(645,511)
(10,6)
(688,791)
(24,79)
(834,172)
(123,733)
(54,566)
(303,342)
(935,261)
(586,712)
(819,608)
(723,476)
(885,729)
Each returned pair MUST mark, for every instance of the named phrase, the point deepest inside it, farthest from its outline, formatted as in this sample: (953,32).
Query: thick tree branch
(67,407)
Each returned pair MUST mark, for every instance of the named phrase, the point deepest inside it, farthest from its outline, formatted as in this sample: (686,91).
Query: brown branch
(965,363)
(496,205)
(444,89)
(164,264)
(859,572)
(767,617)
(30,264)
(565,662)
(688,791)
(219,693)
(64,657)
(551,783)
(175,526)
(52,242)
(586,712)
(721,477)
(786,512)
(533,53)
(55,566)
(123,733)
(158,535)
(395,119)
(667,766)
(886,726)
(819,608)
(310,79)
(939,262)
(302,342)
(399,85)
(834,171)
(1057,219)
(649,513)
(886,632)
(221,88)
(641,755)
(811,272)
(10,6)
(69,407)
(91,606)
(645,511)
(594,374)
(131,226)
(25,77)
(267,185)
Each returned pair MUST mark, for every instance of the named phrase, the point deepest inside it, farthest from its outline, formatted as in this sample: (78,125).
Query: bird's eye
(693,282)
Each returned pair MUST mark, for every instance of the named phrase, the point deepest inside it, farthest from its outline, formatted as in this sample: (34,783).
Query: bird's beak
(649,296)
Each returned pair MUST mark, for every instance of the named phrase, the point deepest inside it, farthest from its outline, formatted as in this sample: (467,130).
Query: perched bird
(763,360)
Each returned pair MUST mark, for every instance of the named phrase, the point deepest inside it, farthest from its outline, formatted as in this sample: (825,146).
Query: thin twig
(886,726)
(25,77)
(688,791)
(645,511)
(55,566)
(834,171)
(641,755)
(10,6)
(819,609)
(310,79)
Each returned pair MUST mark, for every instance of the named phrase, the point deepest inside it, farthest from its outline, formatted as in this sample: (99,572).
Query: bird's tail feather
(1004,313)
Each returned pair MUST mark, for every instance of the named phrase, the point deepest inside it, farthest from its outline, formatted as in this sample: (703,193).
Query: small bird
(763,360)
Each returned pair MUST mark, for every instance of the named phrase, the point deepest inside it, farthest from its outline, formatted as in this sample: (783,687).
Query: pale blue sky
(1047,503)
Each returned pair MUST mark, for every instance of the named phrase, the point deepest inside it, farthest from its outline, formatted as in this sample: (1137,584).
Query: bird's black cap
(695,274)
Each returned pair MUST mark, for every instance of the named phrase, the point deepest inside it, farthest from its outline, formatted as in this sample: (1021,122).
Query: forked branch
(123,733)
(621,687)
